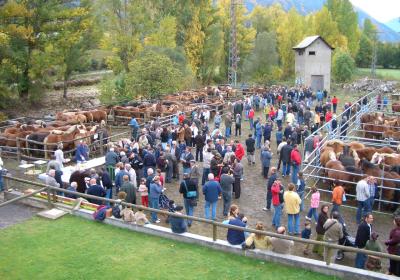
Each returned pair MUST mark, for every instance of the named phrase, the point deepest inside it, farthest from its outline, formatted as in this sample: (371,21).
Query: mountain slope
(305,7)
(394,24)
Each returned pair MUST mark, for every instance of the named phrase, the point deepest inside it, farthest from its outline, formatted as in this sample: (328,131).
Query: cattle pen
(353,130)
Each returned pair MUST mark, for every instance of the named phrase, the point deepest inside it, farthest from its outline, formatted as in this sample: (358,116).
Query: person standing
(285,155)
(250,150)
(265,158)
(226,183)
(295,158)
(111,160)
(363,235)
(277,201)
(292,206)
(82,152)
(239,152)
(207,156)
(251,118)
(237,174)
(335,102)
(271,180)
(59,155)
(300,189)
(322,218)
(186,157)
(228,125)
(238,125)
(337,196)
(135,128)
(189,190)
(393,244)
(258,134)
(199,140)
(315,198)
(333,233)
(129,188)
(95,190)
(211,190)
(362,196)
(154,197)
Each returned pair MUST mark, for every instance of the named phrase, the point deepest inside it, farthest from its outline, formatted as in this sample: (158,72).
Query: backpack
(100,213)
(116,212)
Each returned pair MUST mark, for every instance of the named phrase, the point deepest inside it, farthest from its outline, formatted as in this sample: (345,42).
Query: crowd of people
(206,159)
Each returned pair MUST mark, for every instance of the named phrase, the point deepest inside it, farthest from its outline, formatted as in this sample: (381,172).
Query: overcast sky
(382,10)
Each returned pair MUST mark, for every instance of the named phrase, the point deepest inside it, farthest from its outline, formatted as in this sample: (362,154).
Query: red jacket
(275,189)
(295,156)
(181,118)
(251,114)
(335,100)
(239,153)
(328,116)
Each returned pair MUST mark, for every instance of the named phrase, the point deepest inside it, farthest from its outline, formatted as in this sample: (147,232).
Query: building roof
(308,41)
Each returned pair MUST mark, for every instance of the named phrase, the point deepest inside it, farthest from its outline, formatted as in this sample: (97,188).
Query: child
(306,234)
(127,215)
(140,218)
(313,212)
(144,194)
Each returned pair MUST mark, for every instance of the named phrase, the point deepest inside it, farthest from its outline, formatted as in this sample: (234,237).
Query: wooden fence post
(101,138)
(18,150)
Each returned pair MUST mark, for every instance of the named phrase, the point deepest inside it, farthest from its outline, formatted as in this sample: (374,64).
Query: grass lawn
(75,248)
(381,73)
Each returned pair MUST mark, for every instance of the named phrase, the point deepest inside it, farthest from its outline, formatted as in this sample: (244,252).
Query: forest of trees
(158,46)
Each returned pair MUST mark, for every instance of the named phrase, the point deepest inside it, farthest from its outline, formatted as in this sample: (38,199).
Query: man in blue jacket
(82,152)
(211,190)
(96,190)
(178,224)
(135,128)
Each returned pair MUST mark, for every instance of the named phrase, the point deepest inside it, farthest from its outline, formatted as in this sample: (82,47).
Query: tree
(194,41)
(73,41)
(323,24)
(127,22)
(290,32)
(343,66)
(165,35)
(259,65)
(368,40)
(343,13)
(152,75)
(260,19)
(31,28)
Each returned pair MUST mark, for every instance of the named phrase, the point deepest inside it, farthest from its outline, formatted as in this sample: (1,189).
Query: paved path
(15,213)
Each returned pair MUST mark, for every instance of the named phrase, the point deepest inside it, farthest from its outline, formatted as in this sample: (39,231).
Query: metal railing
(52,198)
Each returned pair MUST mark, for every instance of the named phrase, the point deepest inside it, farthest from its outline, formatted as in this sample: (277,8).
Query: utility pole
(374,54)
(233,49)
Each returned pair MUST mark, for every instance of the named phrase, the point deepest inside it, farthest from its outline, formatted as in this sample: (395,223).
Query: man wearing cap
(211,190)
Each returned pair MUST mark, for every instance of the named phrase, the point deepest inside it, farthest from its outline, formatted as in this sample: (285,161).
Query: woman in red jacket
(239,152)
(394,247)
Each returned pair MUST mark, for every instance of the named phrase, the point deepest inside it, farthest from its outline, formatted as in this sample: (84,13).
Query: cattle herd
(37,137)
(350,162)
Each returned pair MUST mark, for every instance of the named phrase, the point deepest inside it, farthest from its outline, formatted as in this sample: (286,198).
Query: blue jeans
(294,223)
(313,213)
(363,207)
(227,199)
(153,203)
(206,171)
(1,182)
(294,173)
(258,141)
(360,260)
(251,124)
(213,206)
(276,219)
(109,195)
(189,209)
(279,123)
(285,168)
(228,132)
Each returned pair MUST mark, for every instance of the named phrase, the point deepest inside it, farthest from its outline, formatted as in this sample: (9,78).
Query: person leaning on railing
(258,241)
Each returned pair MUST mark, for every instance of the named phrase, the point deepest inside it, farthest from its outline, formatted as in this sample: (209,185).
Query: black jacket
(271,181)
(320,224)
(250,142)
(363,234)
(190,186)
(285,153)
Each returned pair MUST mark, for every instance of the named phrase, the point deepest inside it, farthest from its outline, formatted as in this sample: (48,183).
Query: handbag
(190,194)
(344,197)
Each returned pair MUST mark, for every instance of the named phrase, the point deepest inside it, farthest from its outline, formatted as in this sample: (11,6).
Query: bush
(343,66)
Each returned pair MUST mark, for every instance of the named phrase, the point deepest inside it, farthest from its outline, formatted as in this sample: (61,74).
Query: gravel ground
(15,213)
